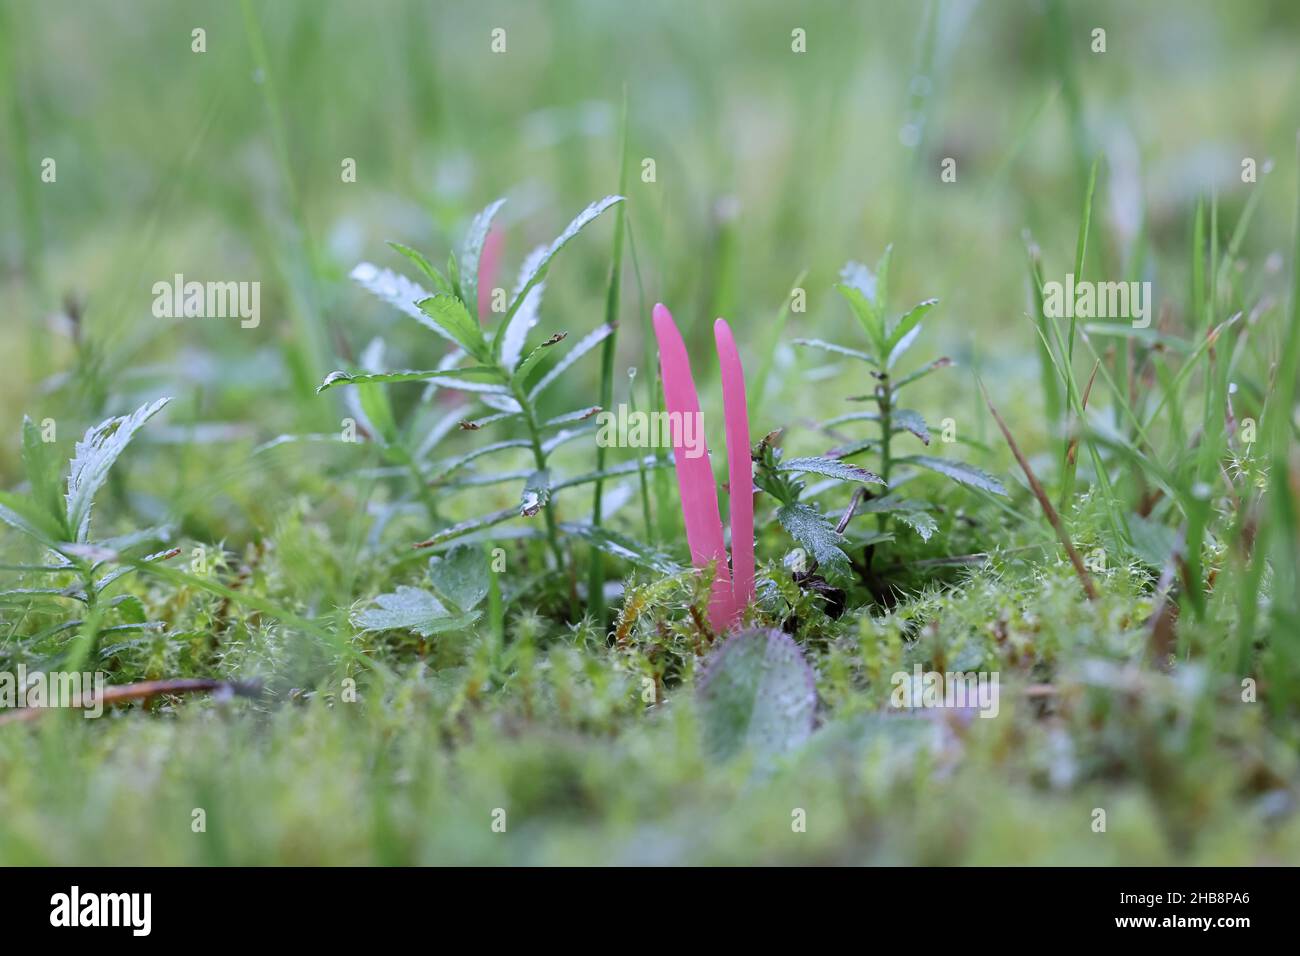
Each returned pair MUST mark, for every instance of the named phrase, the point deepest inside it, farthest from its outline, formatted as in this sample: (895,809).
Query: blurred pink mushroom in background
(489,264)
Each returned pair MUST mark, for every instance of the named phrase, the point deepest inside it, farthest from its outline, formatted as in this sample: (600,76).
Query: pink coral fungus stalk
(489,264)
(733,585)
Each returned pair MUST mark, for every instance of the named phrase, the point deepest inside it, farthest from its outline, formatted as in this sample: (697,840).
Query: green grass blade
(596,571)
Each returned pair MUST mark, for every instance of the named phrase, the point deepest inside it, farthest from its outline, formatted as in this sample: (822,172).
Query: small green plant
(459,582)
(497,369)
(59,523)
(816,535)
(889,339)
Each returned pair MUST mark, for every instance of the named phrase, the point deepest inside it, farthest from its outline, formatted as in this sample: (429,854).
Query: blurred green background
(225,165)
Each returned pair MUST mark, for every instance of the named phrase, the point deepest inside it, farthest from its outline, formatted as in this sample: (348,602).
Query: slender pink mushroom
(729,598)
(740,469)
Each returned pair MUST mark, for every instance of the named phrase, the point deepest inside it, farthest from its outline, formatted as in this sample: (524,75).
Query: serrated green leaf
(468,527)
(410,609)
(482,481)
(921,522)
(132,609)
(584,345)
(397,290)
(623,547)
(908,323)
(118,573)
(756,694)
(461,577)
(453,317)
(537,270)
(903,345)
(472,251)
(453,378)
(849,417)
(93,456)
(830,468)
(914,514)
(517,326)
(864,291)
(959,472)
(440,281)
(814,533)
(836,349)
(536,355)
(30,597)
(566,435)
(453,275)
(473,425)
(133,539)
(861,539)
(570,418)
(449,465)
(853,448)
(888,503)
(922,372)
(536,493)
(866,313)
(905,419)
